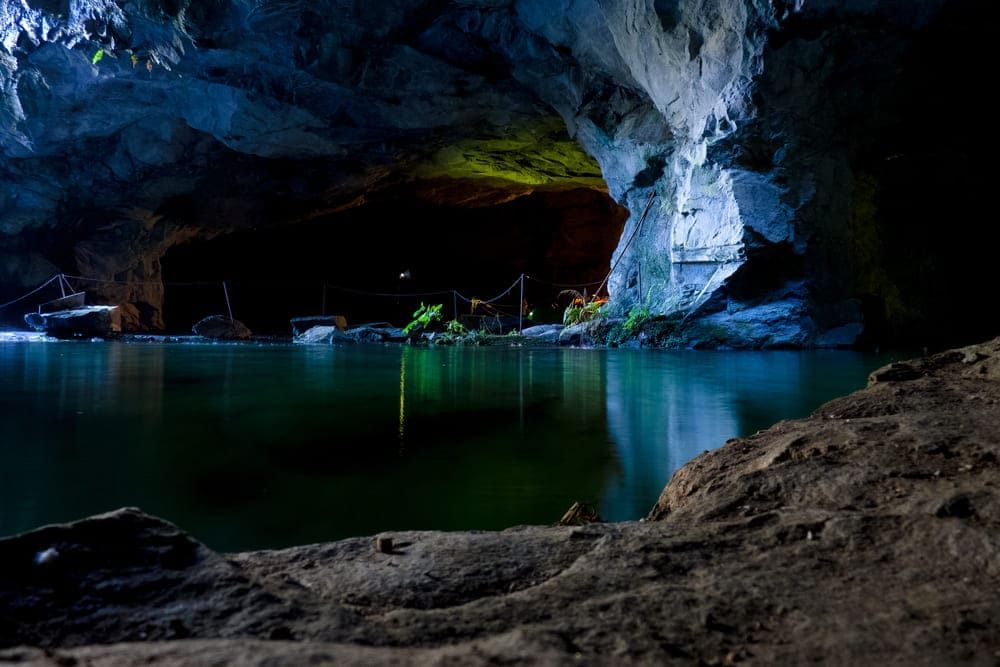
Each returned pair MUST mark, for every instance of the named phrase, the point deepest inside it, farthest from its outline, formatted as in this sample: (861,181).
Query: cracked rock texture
(865,534)
(784,140)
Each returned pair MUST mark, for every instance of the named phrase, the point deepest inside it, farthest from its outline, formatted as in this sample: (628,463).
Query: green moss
(541,154)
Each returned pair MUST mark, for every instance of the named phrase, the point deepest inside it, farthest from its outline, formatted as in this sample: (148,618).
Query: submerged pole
(229,307)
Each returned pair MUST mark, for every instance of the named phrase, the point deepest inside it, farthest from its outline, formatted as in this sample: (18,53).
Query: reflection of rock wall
(658,424)
(665,409)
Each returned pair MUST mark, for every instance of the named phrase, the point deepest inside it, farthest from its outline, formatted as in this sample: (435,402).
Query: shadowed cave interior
(562,237)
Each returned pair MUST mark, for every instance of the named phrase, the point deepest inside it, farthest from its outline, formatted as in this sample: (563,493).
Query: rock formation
(768,129)
(221,327)
(83,322)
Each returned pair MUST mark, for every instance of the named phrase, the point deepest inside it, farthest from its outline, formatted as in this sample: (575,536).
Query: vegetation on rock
(423,317)
(581,309)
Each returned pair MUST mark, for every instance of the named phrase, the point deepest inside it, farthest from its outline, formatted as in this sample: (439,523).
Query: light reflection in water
(663,409)
(402,398)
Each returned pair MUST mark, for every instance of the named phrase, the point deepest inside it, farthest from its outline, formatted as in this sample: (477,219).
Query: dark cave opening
(276,273)
(931,188)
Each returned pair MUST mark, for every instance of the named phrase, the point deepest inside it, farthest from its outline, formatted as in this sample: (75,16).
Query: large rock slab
(544,333)
(85,322)
(864,534)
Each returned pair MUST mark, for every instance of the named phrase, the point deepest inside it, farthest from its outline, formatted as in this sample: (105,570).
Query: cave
(137,152)
(498,332)
(381,260)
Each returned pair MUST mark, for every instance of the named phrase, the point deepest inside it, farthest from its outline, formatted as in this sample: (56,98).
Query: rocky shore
(867,533)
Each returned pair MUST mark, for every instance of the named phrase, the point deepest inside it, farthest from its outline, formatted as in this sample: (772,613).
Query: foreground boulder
(84,322)
(220,327)
(865,534)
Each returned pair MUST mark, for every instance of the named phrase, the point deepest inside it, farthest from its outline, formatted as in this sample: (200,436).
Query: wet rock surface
(85,322)
(382,332)
(301,325)
(865,534)
(545,333)
(220,327)
(323,335)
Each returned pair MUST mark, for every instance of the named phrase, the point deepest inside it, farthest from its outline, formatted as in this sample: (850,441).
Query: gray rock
(220,327)
(576,335)
(545,333)
(86,322)
(377,333)
(323,336)
(302,324)
(776,324)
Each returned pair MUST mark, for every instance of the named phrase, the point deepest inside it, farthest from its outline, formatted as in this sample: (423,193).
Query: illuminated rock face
(129,127)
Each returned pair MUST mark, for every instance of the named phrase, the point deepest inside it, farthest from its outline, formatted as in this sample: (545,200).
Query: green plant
(97,57)
(423,317)
(455,328)
(637,317)
(580,309)
(576,313)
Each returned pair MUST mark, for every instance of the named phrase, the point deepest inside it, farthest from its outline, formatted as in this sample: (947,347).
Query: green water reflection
(252,447)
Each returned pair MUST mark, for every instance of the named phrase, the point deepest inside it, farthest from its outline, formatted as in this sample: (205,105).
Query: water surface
(251,447)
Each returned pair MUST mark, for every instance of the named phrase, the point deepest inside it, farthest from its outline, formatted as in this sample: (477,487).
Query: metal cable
(635,231)
(563,285)
(32,292)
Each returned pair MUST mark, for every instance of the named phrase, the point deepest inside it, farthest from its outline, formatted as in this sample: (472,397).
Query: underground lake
(263,446)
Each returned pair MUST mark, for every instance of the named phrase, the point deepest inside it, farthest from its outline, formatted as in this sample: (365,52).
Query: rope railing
(329,286)
(499,296)
(32,292)
(161,283)
(493,302)
(387,295)
(562,285)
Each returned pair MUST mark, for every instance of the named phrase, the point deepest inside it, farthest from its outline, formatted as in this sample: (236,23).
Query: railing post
(520,308)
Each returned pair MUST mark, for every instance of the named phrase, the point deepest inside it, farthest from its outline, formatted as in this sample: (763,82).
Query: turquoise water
(267,446)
